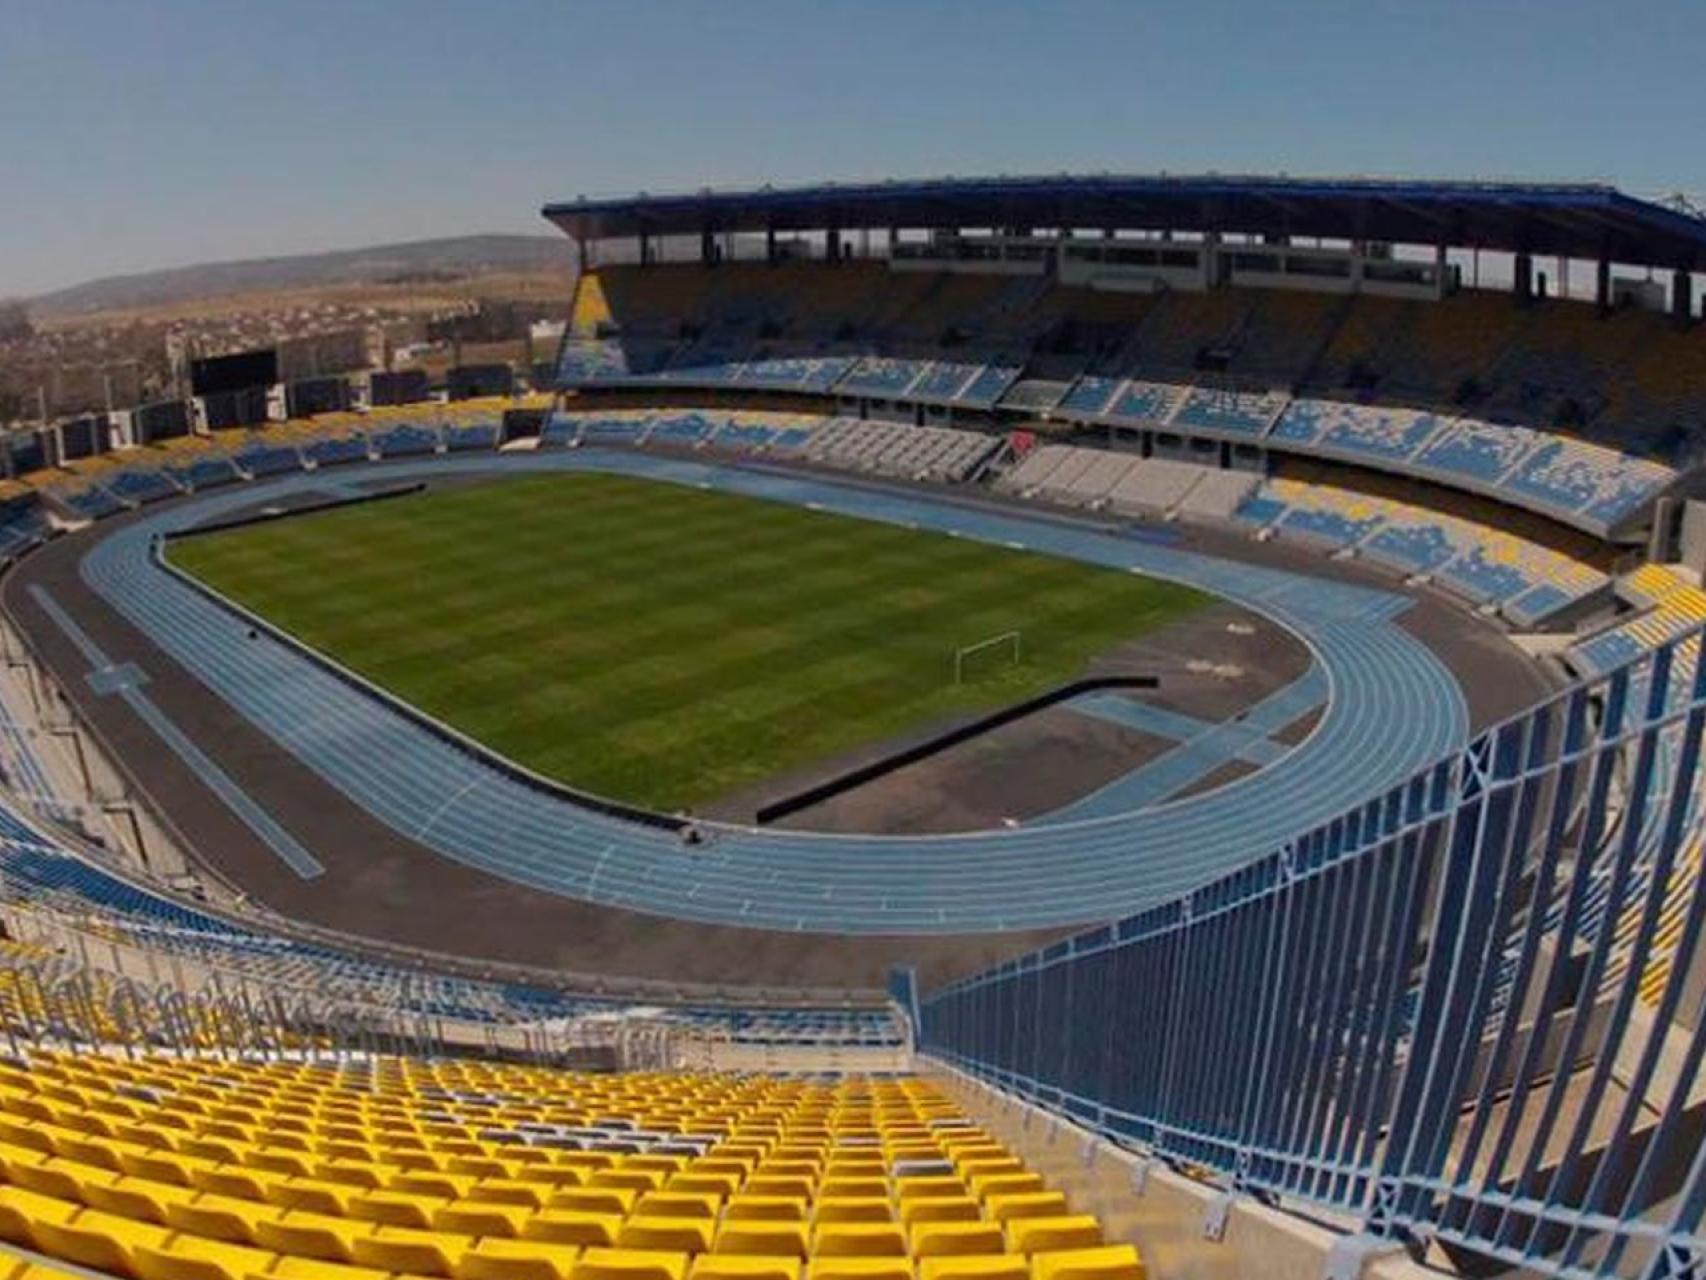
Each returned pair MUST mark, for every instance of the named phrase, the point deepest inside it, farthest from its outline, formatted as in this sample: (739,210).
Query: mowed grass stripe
(665,645)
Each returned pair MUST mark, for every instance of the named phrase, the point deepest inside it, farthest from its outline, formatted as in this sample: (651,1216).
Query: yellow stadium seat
(395,1208)
(930,1188)
(1109,1262)
(666,1235)
(499,1259)
(960,1209)
(103,1241)
(789,1186)
(318,1269)
(854,1188)
(1026,1204)
(745,1208)
(735,1266)
(527,1195)
(407,1250)
(858,1240)
(273,1160)
(1051,1235)
(696,1181)
(630,1264)
(985,1159)
(933,1239)
(241,1184)
(61,1178)
(312,1195)
(363,1177)
(472,1218)
(762,1239)
(980,1266)
(636,1179)
(221,1218)
(187,1257)
(134,1197)
(86,1150)
(445,1186)
(21,1211)
(570,1226)
(852,1209)
(161,1166)
(673,1204)
(313,1235)
(859,1269)
(617,1200)
(985,1185)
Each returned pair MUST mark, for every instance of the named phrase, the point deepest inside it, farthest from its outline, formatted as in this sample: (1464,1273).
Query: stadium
(1055,728)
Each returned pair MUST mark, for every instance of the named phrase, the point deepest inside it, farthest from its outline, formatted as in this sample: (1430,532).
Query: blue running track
(1392,708)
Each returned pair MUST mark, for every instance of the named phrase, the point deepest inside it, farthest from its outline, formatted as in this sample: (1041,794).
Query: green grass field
(663,645)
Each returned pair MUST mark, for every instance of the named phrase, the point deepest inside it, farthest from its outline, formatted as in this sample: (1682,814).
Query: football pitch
(666,646)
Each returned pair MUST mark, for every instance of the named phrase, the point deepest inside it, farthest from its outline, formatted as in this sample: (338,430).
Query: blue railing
(1468,1010)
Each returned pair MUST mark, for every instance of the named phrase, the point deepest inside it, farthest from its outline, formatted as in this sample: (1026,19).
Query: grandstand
(1391,963)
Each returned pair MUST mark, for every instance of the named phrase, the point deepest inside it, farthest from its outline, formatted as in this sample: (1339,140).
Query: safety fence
(1468,1010)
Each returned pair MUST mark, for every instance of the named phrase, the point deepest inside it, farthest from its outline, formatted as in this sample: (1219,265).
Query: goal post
(1009,641)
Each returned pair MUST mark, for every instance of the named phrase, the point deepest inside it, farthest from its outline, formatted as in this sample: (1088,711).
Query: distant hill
(423,260)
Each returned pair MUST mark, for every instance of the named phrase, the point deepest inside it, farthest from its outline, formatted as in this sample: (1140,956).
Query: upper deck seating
(1378,432)
(944,380)
(883,376)
(1481,451)
(713,360)
(1210,408)
(1091,394)
(991,381)
(1600,483)
(1151,402)
(591,360)
(802,372)
(1036,395)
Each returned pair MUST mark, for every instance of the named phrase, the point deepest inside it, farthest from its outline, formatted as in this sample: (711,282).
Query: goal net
(969,659)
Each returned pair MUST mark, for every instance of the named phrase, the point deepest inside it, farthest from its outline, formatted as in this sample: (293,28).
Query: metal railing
(1468,1010)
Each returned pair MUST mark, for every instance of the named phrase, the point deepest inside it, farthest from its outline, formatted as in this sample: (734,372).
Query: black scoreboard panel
(522,424)
(472,381)
(28,450)
(83,438)
(408,386)
(162,421)
(237,372)
(246,407)
(309,396)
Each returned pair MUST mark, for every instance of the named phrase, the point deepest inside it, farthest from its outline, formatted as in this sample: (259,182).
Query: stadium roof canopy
(1577,220)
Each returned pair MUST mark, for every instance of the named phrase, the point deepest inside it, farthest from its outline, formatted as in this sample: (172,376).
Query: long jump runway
(1392,708)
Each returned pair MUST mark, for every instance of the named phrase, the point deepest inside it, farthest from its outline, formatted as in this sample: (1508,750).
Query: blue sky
(149,133)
